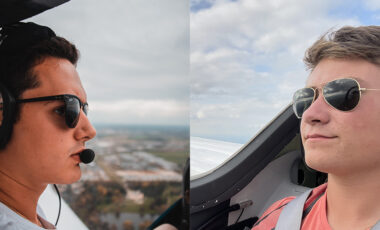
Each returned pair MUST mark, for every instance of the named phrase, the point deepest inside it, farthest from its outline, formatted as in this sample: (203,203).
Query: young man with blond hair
(340,130)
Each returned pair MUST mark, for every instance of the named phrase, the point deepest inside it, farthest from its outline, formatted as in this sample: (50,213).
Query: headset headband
(18,37)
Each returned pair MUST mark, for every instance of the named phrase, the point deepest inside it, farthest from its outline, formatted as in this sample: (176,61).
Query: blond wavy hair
(349,42)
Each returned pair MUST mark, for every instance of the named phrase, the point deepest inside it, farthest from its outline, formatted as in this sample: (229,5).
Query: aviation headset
(8,116)
(15,40)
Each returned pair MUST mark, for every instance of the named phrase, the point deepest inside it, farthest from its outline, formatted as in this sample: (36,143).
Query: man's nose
(318,111)
(85,130)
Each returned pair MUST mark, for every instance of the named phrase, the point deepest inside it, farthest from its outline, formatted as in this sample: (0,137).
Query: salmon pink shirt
(315,219)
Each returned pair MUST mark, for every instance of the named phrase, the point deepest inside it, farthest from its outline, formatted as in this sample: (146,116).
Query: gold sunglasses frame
(316,94)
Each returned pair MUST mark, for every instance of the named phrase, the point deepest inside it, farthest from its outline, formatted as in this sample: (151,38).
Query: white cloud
(241,119)
(248,52)
(372,4)
(130,50)
(139,111)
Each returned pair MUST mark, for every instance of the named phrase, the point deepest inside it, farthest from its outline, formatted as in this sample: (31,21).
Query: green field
(178,157)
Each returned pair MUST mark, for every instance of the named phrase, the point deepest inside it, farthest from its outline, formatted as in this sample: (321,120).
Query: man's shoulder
(9,220)
(270,217)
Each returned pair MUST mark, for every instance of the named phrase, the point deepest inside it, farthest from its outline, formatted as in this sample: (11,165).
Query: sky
(134,57)
(246,58)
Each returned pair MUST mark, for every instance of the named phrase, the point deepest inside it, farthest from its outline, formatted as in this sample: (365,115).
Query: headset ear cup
(7,115)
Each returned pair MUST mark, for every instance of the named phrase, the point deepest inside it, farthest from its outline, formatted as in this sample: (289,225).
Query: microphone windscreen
(87,156)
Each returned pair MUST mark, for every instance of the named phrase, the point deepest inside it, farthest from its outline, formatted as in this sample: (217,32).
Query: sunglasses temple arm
(365,89)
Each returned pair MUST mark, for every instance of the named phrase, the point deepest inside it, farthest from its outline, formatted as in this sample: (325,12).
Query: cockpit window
(207,154)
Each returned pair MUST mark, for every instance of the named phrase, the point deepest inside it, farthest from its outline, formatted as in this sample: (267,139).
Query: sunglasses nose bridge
(318,92)
(315,96)
(311,110)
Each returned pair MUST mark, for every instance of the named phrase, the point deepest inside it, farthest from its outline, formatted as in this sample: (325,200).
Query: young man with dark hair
(340,130)
(44,125)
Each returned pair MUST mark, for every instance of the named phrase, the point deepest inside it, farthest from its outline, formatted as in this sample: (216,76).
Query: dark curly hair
(24,46)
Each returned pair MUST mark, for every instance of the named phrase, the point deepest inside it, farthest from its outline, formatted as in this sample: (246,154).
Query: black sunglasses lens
(302,100)
(72,111)
(85,108)
(342,94)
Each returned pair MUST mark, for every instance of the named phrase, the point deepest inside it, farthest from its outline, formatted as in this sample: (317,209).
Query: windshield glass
(207,153)
(245,64)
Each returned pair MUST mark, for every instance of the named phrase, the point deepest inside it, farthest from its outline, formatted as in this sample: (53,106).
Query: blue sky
(246,58)
(134,57)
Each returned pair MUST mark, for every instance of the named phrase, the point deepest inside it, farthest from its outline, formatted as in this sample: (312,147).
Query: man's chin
(71,177)
(318,168)
(319,163)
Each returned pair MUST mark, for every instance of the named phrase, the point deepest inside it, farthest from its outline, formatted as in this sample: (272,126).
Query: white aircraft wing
(206,154)
(68,220)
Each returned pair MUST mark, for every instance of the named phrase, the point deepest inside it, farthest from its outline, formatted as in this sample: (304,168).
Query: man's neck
(19,197)
(353,201)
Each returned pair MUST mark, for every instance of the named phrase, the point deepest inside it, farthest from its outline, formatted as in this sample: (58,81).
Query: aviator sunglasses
(72,107)
(342,94)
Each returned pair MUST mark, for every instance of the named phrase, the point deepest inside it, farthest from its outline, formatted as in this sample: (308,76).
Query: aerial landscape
(136,176)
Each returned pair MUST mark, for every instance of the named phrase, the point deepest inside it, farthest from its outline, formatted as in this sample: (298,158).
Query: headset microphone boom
(87,156)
